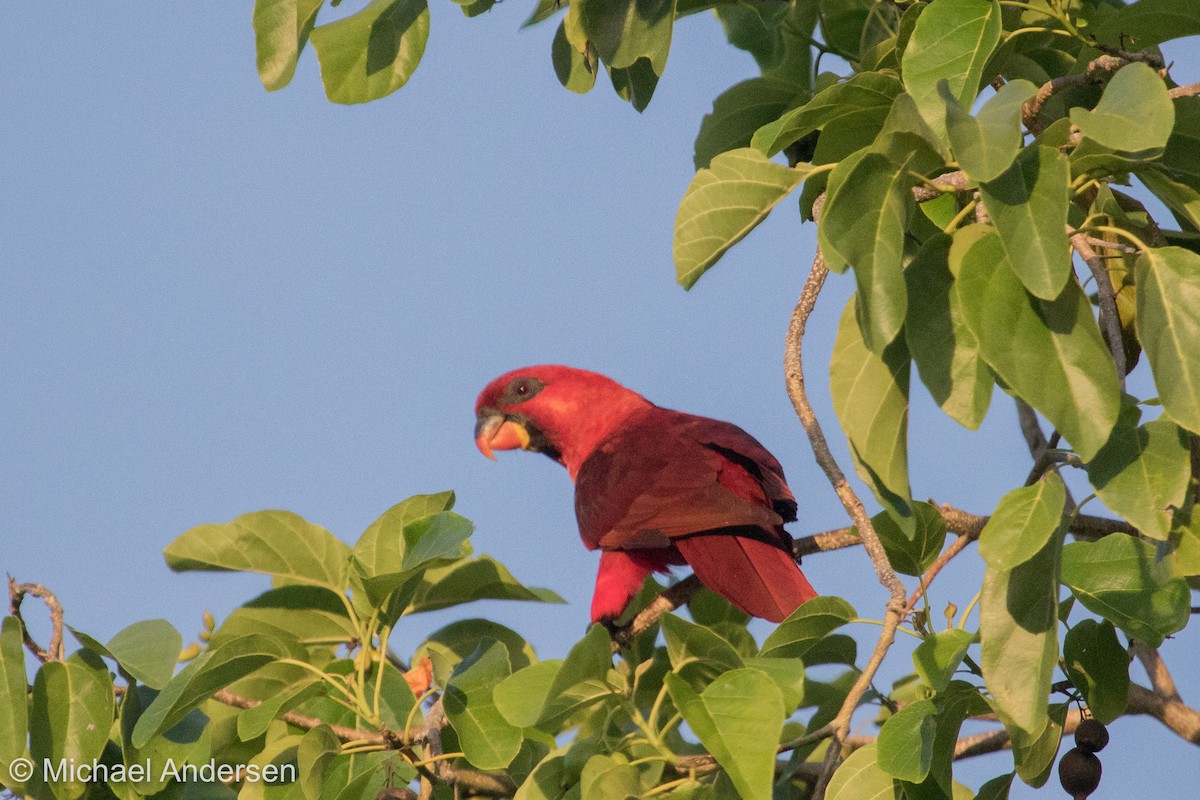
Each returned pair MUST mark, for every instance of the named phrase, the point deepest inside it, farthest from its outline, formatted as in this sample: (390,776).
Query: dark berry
(1091,735)
(1079,773)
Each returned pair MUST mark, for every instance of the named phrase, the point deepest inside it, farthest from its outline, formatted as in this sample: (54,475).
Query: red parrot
(654,487)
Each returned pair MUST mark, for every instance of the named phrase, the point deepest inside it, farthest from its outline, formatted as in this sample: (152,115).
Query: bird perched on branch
(654,487)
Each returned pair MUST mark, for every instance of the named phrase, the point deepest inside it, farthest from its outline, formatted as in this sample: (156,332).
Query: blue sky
(215,300)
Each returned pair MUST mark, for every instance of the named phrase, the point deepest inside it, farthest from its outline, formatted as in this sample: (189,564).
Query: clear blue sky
(215,300)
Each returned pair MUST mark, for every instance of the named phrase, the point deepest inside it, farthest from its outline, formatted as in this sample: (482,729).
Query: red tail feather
(758,578)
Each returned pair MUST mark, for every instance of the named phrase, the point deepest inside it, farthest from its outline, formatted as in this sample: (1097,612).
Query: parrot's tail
(759,578)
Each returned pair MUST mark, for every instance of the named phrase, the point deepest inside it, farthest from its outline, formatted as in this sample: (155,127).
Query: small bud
(209,622)
(190,652)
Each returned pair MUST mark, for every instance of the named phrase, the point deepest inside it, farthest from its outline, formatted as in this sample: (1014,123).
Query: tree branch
(1110,322)
(16,594)
(1097,71)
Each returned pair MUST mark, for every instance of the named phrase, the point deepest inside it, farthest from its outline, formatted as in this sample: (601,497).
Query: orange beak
(494,432)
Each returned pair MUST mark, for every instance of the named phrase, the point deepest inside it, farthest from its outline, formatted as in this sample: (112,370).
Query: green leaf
(738,718)
(986,144)
(1099,667)
(1168,325)
(447,646)
(870,398)
(1050,353)
(860,778)
(737,113)
(190,739)
(865,97)
(1149,22)
(937,658)
(1135,114)
(71,713)
(1120,578)
(958,701)
(487,739)
(806,626)
(521,696)
(605,778)
(867,210)
(951,42)
(292,685)
(399,544)
(480,578)
(575,67)
(995,789)
(149,651)
(277,543)
(788,676)
(214,669)
(724,203)
(1142,472)
(624,31)
(905,746)
(1028,204)
(1023,522)
(943,347)
(634,84)
(1034,760)
(589,660)
(912,553)
(310,615)
(14,700)
(1018,622)
(374,52)
(691,644)
(317,749)
(281,30)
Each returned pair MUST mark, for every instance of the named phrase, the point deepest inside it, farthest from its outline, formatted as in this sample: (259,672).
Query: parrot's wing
(667,476)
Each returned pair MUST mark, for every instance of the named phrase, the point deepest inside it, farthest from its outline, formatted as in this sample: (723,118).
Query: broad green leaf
(396,699)
(937,658)
(1050,353)
(867,209)
(1149,22)
(1028,204)
(281,30)
(549,780)
(575,67)
(447,646)
(807,625)
(480,578)
(870,398)
(911,553)
(1183,200)
(214,669)
(866,96)
(836,648)
(292,685)
(996,789)
(1023,522)
(843,23)
(724,203)
(943,347)
(788,676)
(1018,629)
(373,52)
(709,608)
(951,42)
(188,740)
(281,747)
(623,31)
(958,701)
(277,543)
(589,659)
(737,113)
(395,547)
(605,778)
(860,778)
(1142,472)
(544,10)
(905,746)
(738,718)
(908,141)
(71,713)
(486,738)
(1099,667)
(521,696)
(1034,761)
(986,144)
(14,700)
(317,749)
(1168,324)
(1181,159)
(1120,578)
(634,84)
(149,651)
(689,643)
(1135,114)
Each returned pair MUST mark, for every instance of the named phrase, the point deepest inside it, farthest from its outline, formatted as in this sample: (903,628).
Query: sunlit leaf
(372,53)
(281,30)
(487,739)
(1098,665)
(1134,115)
(1168,324)
(1023,522)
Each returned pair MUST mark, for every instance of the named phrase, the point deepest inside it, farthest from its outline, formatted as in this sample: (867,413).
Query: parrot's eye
(522,389)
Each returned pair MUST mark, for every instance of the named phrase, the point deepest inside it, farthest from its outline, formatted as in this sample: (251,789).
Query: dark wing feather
(667,475)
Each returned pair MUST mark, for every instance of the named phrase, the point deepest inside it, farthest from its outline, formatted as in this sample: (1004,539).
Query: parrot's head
(560,411)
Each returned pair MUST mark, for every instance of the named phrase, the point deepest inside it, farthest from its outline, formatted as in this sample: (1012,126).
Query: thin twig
(1110,321)
(16,594)
(1190,90)
(794,372)
(1156,669)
